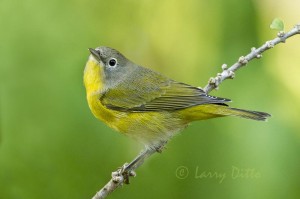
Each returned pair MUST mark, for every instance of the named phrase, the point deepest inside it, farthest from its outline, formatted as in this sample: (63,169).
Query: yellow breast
(94,84)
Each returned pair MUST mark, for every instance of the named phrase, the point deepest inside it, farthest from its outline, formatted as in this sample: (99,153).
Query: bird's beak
(95,53)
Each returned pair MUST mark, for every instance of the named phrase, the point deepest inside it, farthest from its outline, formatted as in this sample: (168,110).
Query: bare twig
(229,73)
(122,175)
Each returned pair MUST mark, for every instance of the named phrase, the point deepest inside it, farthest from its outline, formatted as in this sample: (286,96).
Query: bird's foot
(161,147)
(123,174)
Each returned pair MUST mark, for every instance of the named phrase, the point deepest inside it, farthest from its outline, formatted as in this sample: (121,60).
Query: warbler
(145,105)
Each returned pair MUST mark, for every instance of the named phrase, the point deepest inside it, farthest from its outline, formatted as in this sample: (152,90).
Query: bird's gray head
(115,66)
(109,58)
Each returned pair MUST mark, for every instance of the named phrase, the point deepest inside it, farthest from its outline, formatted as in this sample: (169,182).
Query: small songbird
(144,104)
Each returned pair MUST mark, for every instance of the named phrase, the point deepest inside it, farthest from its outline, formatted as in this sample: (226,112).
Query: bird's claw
(123,174)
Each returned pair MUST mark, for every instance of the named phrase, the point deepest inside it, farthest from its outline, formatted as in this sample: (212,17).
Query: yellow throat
(93,77)
(94,84)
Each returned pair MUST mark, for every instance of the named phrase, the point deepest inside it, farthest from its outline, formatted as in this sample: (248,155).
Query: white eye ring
(112,62)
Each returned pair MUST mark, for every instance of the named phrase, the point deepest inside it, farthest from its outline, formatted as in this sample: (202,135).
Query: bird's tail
(220,110)
(254,115)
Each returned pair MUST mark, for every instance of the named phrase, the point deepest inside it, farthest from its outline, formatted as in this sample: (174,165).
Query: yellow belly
(149,128)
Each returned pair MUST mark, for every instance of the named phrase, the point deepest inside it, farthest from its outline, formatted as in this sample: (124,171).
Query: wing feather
(146,91)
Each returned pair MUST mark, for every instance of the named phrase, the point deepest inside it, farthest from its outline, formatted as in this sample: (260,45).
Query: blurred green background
(51,146)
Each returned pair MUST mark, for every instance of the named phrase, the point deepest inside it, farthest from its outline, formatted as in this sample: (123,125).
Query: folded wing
(146,90)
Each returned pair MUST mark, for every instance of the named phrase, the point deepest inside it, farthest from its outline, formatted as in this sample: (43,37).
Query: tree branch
(122,175)
(229,73)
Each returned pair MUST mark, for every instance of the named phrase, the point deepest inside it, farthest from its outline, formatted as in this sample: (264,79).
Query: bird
(146,105)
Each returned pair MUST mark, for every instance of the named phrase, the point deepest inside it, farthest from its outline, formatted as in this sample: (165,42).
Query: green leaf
(277,24)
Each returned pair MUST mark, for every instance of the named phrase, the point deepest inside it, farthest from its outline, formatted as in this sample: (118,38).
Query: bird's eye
(112,62)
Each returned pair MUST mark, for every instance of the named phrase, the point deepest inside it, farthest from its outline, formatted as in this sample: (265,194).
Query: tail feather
(254,115)
(208,111)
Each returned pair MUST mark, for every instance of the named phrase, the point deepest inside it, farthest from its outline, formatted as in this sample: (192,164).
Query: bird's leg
(161,147)
(143,155)
(128,170)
